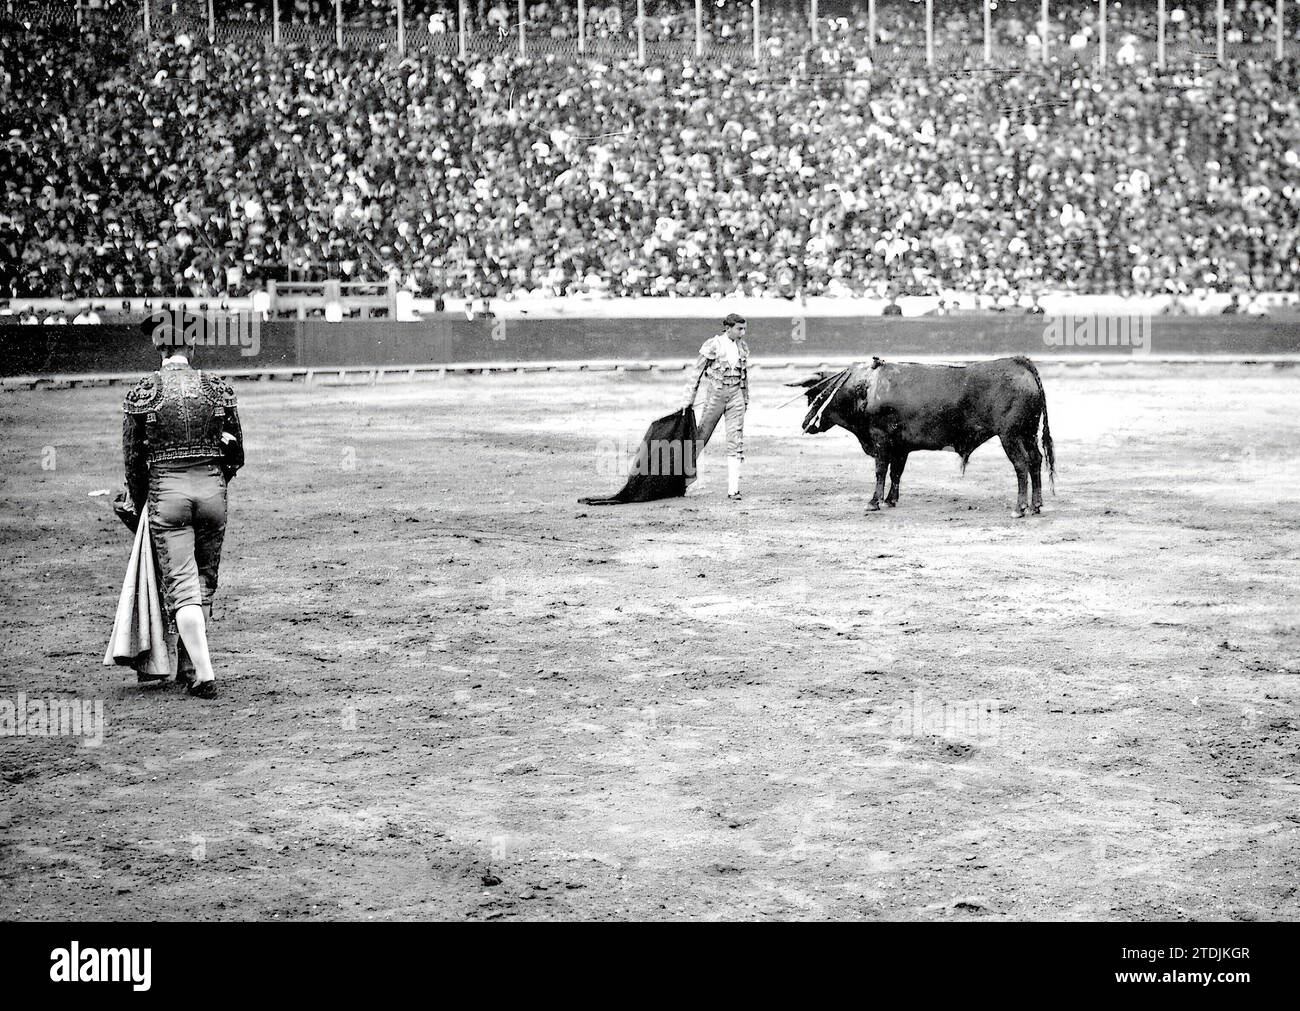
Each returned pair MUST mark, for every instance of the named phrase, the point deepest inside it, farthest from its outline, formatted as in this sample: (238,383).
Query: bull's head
(825,397)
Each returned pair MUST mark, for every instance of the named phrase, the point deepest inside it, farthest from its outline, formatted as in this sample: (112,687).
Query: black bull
(895,409)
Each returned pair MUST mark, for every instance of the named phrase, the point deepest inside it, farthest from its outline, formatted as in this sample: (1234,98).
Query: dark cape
(663,462)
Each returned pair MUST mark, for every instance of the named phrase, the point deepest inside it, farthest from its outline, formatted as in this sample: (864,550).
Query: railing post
(333,292)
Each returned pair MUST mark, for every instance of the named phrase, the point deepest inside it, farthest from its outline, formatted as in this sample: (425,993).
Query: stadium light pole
(929,33)
(988,32)
(582,25)
(1219,18)
(1042,28)
(1101,53)
(640,32)
(699,27)
(1160,34)
(401,28)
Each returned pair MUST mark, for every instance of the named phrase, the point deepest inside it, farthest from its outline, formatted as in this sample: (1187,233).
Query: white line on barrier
(372,375)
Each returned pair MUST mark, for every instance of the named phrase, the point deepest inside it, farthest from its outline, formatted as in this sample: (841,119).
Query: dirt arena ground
(450,691)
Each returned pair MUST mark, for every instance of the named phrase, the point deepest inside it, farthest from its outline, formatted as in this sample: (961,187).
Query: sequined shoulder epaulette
(217,392)
(144,396)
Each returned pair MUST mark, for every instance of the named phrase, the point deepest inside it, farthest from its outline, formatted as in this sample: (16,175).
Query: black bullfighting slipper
(149,679)
(203,689)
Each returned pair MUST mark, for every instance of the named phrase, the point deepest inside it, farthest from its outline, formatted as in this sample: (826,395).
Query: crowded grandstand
(203,150)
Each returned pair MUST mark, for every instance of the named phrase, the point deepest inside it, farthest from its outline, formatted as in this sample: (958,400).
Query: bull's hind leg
(1035,457)
(896,466)
(1019,457)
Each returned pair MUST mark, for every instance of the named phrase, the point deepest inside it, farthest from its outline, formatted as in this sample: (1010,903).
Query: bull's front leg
(882,468)
(869,447)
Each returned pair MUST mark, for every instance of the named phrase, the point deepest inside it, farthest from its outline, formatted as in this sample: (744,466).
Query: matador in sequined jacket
(182,443)
(179,413)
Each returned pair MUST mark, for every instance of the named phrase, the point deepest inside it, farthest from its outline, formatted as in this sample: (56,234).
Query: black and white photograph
(624,461)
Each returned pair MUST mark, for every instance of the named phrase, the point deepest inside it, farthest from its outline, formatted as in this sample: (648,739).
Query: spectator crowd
(175,166)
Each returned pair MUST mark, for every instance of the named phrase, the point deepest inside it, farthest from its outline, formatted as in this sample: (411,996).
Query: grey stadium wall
(109,349)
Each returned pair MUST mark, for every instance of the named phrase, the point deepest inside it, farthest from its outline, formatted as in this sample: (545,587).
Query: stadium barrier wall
(450,339)
(113,348)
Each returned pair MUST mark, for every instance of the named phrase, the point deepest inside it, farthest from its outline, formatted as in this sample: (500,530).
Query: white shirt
(727,350)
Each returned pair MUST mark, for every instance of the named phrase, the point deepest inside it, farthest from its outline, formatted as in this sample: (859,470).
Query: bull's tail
(1048,450)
